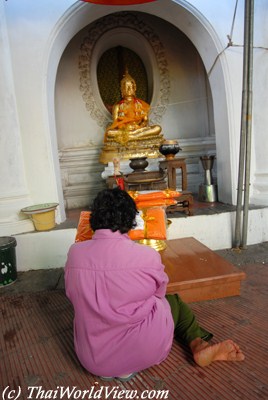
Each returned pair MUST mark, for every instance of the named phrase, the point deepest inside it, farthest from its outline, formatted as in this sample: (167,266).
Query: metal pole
(241,169)
(249,125)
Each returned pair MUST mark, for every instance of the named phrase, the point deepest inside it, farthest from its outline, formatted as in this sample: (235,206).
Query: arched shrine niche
(178,90)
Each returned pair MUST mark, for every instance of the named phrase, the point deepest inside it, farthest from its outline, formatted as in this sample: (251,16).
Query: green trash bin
(8,265)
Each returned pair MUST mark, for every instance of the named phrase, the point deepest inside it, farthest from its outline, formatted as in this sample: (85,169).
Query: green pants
(186,326)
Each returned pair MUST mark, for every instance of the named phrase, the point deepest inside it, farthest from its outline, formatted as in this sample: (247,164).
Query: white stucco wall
(260,104)
(14,191)
(29,26)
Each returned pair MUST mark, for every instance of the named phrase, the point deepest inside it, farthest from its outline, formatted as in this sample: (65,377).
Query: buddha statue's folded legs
(124,135)
(132,148)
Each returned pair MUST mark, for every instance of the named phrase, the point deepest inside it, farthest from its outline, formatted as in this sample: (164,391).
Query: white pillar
(13,188)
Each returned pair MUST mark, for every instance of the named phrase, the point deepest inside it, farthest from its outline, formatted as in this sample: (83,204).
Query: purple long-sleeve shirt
(122,321)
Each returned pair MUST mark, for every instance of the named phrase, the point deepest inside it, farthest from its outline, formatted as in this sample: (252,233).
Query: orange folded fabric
(152,199)
(84,231)
(154,203)
(165,194)
(154,225)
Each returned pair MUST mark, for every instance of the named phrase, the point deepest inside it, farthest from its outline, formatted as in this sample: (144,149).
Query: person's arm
(162,285)
(160,277)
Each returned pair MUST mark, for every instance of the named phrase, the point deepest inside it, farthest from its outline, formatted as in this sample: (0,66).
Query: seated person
(123,322)
(130,128)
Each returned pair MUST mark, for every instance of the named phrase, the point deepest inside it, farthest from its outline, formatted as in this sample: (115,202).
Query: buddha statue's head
(128,86)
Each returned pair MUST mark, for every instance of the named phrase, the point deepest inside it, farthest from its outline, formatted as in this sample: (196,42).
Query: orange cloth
(165,194)
(154,226)
(84,231)
(154,203)
(152,199)
(130,113)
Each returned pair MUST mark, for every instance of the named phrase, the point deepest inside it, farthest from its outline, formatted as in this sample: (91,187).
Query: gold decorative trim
(158,245)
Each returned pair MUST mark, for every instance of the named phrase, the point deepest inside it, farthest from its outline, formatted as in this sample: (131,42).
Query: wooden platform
(197,273)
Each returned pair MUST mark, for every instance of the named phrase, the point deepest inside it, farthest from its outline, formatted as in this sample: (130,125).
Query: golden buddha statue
(130,134)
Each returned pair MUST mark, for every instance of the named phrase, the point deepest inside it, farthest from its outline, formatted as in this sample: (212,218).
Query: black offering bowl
(138,164)
(169,148)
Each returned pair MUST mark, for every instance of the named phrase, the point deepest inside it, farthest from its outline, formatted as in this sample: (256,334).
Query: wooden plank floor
(198,273)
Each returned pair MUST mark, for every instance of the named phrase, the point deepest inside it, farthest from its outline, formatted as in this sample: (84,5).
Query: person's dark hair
(113,209)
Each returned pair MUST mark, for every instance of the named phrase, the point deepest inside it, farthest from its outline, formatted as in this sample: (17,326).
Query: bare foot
(204,354)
